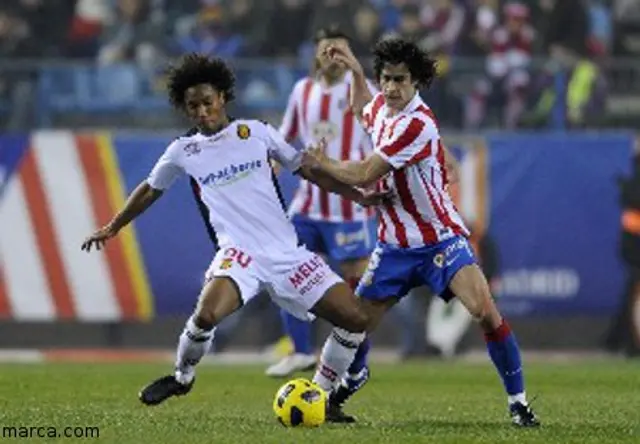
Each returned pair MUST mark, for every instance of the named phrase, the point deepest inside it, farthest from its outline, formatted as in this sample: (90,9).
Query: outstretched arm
(140,199)
(333,185)
(359,173)
(163,174)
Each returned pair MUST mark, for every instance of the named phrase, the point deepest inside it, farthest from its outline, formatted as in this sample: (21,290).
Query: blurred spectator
(367,30)
(135,33)
(507,70)
(210,33)
(47,22)
(247,17)
(600,24)
(572,88)
(15,36)
(335,12)
(444,20)
(289,27)
(87,24)
(409,25)
(389,11)
(480,21)
(579,94)
(565,29)
(627,25)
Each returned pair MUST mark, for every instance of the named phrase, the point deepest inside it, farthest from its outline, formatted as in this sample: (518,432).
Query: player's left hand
(372,198)
(99,238)
(314,156)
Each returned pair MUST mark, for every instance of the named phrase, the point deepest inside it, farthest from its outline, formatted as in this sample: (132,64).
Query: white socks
(520,397)
(194,343)
(337,354)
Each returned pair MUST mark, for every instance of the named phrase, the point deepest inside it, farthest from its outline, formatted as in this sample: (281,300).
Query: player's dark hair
(395,50)
(330,32)
(195,69)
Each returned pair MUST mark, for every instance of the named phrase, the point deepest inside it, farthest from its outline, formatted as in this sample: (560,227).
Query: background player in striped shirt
(326,223)
(422,239)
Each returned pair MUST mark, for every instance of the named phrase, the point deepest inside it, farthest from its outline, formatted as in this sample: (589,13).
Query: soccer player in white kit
(258,246)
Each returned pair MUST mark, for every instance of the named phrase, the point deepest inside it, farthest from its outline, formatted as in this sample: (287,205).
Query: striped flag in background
(60,188)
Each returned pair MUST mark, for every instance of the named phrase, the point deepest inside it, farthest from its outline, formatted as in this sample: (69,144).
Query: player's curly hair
(396,50)
(196,69)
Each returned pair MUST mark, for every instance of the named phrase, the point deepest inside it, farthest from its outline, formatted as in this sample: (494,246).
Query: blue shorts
(339,241)
(393,271)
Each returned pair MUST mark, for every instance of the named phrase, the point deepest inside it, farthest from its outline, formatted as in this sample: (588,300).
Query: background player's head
(401,68)
(201,87)
(323,63)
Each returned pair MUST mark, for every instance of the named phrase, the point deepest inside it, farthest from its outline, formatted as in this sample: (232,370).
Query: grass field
(591,402)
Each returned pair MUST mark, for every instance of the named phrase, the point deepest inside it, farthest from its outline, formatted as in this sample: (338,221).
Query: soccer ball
(300,402)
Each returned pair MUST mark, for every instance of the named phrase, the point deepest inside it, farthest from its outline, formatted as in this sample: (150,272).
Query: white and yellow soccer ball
(300,403)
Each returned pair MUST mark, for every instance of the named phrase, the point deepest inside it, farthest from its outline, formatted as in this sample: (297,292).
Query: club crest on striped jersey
(324,130)
(243,131)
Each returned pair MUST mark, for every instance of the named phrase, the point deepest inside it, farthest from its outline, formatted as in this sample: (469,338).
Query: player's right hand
(372,198)
(99,238)
(343,53)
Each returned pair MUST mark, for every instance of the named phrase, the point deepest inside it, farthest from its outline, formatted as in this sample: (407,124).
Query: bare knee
(354,320)
(216,302)
(359,321)
(477,308)
(484,312)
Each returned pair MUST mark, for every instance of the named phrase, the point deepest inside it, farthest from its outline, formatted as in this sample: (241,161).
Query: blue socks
(360,360)
(299,331)
(505,354)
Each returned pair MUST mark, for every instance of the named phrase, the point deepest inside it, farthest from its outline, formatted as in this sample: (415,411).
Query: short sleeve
(413,139)
(281,151)
(166,170)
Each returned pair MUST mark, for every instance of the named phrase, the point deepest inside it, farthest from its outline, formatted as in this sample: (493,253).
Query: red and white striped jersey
(316,111)
(422,212)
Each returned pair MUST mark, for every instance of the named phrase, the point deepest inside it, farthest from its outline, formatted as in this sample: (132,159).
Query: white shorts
(295,283)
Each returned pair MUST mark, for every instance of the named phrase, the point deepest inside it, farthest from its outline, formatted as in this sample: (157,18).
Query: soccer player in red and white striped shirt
(326,223)
(422,239)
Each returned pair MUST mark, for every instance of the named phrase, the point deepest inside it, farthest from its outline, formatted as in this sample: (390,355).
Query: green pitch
(589,402)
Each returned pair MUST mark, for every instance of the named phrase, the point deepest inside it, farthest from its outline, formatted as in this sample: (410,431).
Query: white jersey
(314,112)
(237,184)
(423,213)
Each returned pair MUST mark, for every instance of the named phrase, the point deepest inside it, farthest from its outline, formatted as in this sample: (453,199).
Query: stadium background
(84,116)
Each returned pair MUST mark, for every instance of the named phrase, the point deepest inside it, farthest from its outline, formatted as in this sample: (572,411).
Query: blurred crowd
(576,37)
(112,30)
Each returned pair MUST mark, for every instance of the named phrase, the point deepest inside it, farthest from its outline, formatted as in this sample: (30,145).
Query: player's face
(397,86)
(205,106)
(326,63)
